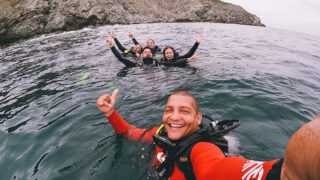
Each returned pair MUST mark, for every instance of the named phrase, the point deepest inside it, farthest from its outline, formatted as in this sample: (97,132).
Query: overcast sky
(297,15)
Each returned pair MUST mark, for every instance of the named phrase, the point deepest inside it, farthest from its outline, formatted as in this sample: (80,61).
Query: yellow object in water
(84,79)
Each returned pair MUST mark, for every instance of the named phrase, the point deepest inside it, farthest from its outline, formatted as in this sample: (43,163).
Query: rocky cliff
(23,19)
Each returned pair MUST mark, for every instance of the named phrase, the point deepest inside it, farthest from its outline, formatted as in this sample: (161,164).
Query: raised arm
(193,49)
(117,42)
(133,38)
(118,55)
(106,104)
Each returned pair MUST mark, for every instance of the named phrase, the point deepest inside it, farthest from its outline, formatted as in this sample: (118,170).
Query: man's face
(150,43)
(147,53)
(169,54)
(180,117)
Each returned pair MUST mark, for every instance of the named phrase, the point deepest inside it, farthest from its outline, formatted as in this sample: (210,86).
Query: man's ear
(199,115)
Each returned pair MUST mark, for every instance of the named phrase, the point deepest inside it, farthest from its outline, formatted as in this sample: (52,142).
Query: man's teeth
(175,125)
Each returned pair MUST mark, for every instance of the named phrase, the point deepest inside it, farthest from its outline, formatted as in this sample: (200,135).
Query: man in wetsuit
(146,55)
(182,118)
(150,44)
(131,52)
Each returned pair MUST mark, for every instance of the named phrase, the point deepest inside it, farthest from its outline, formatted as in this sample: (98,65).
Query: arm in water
(179,62)
(106,104)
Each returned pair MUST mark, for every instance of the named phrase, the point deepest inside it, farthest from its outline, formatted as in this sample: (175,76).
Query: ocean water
(50,127)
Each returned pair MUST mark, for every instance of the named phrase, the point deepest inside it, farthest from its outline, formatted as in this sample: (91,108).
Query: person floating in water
(131,52)
(170,56)
(205,160)
(150,44)
(146,55)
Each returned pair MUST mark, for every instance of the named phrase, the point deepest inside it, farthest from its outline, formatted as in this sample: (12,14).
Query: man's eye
(185,111)
(168,110)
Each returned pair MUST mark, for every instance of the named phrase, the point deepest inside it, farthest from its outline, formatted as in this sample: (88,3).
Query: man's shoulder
(202,148)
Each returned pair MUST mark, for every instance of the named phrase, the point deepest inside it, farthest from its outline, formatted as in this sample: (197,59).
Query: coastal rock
(23,19)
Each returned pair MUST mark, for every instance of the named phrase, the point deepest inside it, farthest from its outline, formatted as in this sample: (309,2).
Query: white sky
(296,15)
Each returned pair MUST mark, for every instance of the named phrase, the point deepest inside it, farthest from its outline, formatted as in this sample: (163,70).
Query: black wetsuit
(154,50)
(176,62)
(179,60)
(128,63)
(126,52)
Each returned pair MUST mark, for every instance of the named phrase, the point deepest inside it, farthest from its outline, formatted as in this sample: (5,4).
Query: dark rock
(23,19)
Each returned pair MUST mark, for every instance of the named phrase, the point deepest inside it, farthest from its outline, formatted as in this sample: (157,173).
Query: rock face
(22,19)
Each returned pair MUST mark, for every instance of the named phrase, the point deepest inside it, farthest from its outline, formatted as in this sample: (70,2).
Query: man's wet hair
(145,49)
(186,93)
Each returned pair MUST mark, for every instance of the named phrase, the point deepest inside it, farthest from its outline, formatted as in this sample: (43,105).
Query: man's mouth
(176,125)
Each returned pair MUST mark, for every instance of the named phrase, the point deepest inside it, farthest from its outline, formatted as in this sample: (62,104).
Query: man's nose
(175,115)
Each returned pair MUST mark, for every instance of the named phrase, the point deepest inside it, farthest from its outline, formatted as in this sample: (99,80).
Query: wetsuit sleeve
(177,62)
(129,131)
(135,41)
(191,52)
(208,162)
(119,45)
(121,59)
(132,52)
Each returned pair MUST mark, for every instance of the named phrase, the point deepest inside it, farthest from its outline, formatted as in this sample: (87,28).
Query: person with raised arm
(150,44)
(203,159)
(146,55)
(170,57)
(134,51)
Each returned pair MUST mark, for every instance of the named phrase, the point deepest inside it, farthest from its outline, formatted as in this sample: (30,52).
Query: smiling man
(181,115)
(201,159)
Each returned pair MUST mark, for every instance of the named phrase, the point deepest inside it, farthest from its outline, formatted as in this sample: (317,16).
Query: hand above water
(113,35)
(199,37)
(130,35)
(109,40)
(193,58)
(106,103)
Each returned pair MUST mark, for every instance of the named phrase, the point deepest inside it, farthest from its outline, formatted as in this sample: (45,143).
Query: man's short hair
(186,93)
(145,49)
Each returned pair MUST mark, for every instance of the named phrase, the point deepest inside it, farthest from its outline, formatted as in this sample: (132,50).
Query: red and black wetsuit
(207,159)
